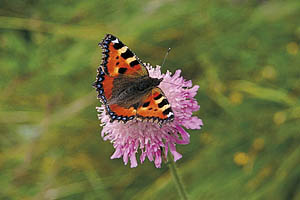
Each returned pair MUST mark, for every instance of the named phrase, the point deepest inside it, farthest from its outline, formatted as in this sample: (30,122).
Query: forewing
(119,59)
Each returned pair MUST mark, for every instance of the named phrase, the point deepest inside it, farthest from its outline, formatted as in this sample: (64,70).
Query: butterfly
(125,87)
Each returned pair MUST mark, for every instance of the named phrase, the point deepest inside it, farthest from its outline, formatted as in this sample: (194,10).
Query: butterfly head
(156,81)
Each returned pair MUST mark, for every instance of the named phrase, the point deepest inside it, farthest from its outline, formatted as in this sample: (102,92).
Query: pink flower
(152,140)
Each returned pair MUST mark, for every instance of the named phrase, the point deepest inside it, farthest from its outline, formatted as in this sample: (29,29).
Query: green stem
(178,182)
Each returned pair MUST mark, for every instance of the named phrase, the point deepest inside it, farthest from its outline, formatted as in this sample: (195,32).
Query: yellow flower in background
(292,48)
(241,158)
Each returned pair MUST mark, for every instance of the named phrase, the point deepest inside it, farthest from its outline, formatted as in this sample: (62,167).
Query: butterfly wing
(155,108)
(118,60)
(120,113)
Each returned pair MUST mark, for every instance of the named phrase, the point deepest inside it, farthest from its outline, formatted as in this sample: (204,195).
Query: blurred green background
(244,55)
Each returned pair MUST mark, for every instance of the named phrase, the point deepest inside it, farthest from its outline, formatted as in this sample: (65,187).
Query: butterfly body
(125,87)
(129,91)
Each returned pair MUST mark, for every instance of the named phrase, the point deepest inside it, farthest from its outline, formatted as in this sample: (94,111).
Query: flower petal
(175,154)
(133,162)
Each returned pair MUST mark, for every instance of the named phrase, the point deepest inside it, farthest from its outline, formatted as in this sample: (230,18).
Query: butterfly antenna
(169,49)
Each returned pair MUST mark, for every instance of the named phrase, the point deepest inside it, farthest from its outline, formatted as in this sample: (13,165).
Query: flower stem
(176,178)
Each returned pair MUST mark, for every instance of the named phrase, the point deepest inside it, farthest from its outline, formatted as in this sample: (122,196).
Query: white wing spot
(115,41)
(170,114)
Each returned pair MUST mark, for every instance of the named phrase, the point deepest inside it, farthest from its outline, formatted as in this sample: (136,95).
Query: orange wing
(119,59)
(155,108)
(119,113)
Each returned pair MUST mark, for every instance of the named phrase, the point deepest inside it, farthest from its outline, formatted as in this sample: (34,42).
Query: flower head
(152,140)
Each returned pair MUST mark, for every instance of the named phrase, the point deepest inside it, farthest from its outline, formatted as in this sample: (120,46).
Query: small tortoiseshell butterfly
(125,87)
